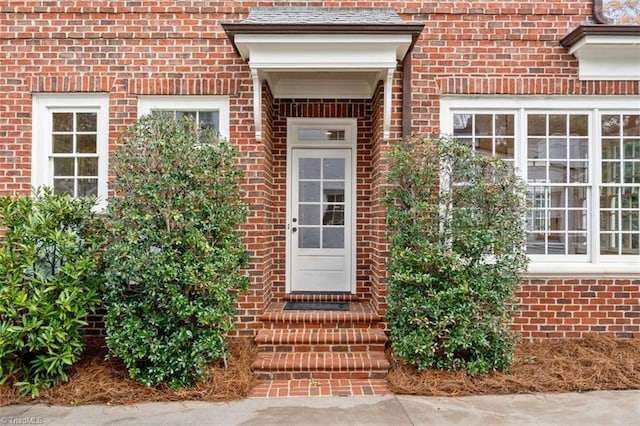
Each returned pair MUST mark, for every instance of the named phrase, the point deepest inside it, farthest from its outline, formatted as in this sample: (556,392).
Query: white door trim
(349,125)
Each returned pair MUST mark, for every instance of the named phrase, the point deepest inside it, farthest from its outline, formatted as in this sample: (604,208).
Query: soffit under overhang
(339,59)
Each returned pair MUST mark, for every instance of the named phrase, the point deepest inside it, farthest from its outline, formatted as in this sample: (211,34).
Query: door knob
(294,229)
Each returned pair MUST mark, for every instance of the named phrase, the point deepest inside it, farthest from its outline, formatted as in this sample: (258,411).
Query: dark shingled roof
(322,15)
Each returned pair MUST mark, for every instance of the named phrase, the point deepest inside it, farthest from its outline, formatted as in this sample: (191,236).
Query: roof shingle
(322,15)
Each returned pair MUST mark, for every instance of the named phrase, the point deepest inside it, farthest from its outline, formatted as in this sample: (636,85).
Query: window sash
(206,118)
(619,189)
(189,104)
(488,133)
(74,182)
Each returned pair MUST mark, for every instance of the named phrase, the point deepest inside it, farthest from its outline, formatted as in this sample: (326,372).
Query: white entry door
(321,220)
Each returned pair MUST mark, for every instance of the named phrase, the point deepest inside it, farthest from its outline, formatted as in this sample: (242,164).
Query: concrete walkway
(591,408)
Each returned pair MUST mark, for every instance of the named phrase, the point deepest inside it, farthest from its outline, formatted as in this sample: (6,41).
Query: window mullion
(521,146)
(620,233)
(595,164)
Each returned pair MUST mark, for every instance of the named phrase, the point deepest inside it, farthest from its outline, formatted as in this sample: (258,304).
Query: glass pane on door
(321,202)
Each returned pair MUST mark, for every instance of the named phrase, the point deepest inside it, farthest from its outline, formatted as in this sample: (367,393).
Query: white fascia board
(251,44)
(349,56)
(595,40)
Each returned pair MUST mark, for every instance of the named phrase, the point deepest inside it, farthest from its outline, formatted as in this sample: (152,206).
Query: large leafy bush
(456,230)
(50,282)
(175,251)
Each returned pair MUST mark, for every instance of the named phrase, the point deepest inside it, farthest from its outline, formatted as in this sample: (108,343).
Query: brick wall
(298,108)
(568,308)
(259,185)
(379,246)
(555,308)
(177,47)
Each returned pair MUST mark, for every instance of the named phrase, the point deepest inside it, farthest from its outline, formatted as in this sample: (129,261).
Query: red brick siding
(298,108)
(568,308)
(379,247)
(95,323)
(148,47)
(259,187)
(557,308)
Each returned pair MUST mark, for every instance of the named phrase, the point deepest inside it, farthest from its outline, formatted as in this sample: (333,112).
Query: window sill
(563,269)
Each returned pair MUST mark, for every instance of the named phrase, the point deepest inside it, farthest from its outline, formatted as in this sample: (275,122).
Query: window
(317,135)
(582,167)
(70,143)
(209,111)
(620,189)
(558,178)
(206,119)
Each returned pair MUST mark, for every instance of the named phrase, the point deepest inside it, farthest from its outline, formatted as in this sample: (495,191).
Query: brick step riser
(321,345)
(375,347)
(298,297)
(320,375)
(321,325)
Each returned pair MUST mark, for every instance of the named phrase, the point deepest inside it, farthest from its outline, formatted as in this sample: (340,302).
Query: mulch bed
(96,380)
(595,363)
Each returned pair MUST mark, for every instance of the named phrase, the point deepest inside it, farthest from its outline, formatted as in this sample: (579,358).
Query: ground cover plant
(456,232)
(50,281)
(175,254)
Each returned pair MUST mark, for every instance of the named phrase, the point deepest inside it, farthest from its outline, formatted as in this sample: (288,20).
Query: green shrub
(457,255)
(175,252)
(49,263)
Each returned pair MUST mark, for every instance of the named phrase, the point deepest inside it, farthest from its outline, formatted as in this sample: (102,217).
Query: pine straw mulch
(594,363)
(96,380)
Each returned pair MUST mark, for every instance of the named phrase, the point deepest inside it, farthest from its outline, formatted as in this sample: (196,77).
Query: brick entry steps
(314,387)
(321,344)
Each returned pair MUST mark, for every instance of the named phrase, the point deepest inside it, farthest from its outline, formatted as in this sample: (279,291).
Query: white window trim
(41,162)
(147,104)
(597,105)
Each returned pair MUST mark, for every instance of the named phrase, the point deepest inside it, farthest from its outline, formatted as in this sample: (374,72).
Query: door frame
(349,125)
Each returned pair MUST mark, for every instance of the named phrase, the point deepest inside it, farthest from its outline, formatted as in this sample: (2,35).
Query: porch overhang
(605,52)
(322,61)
